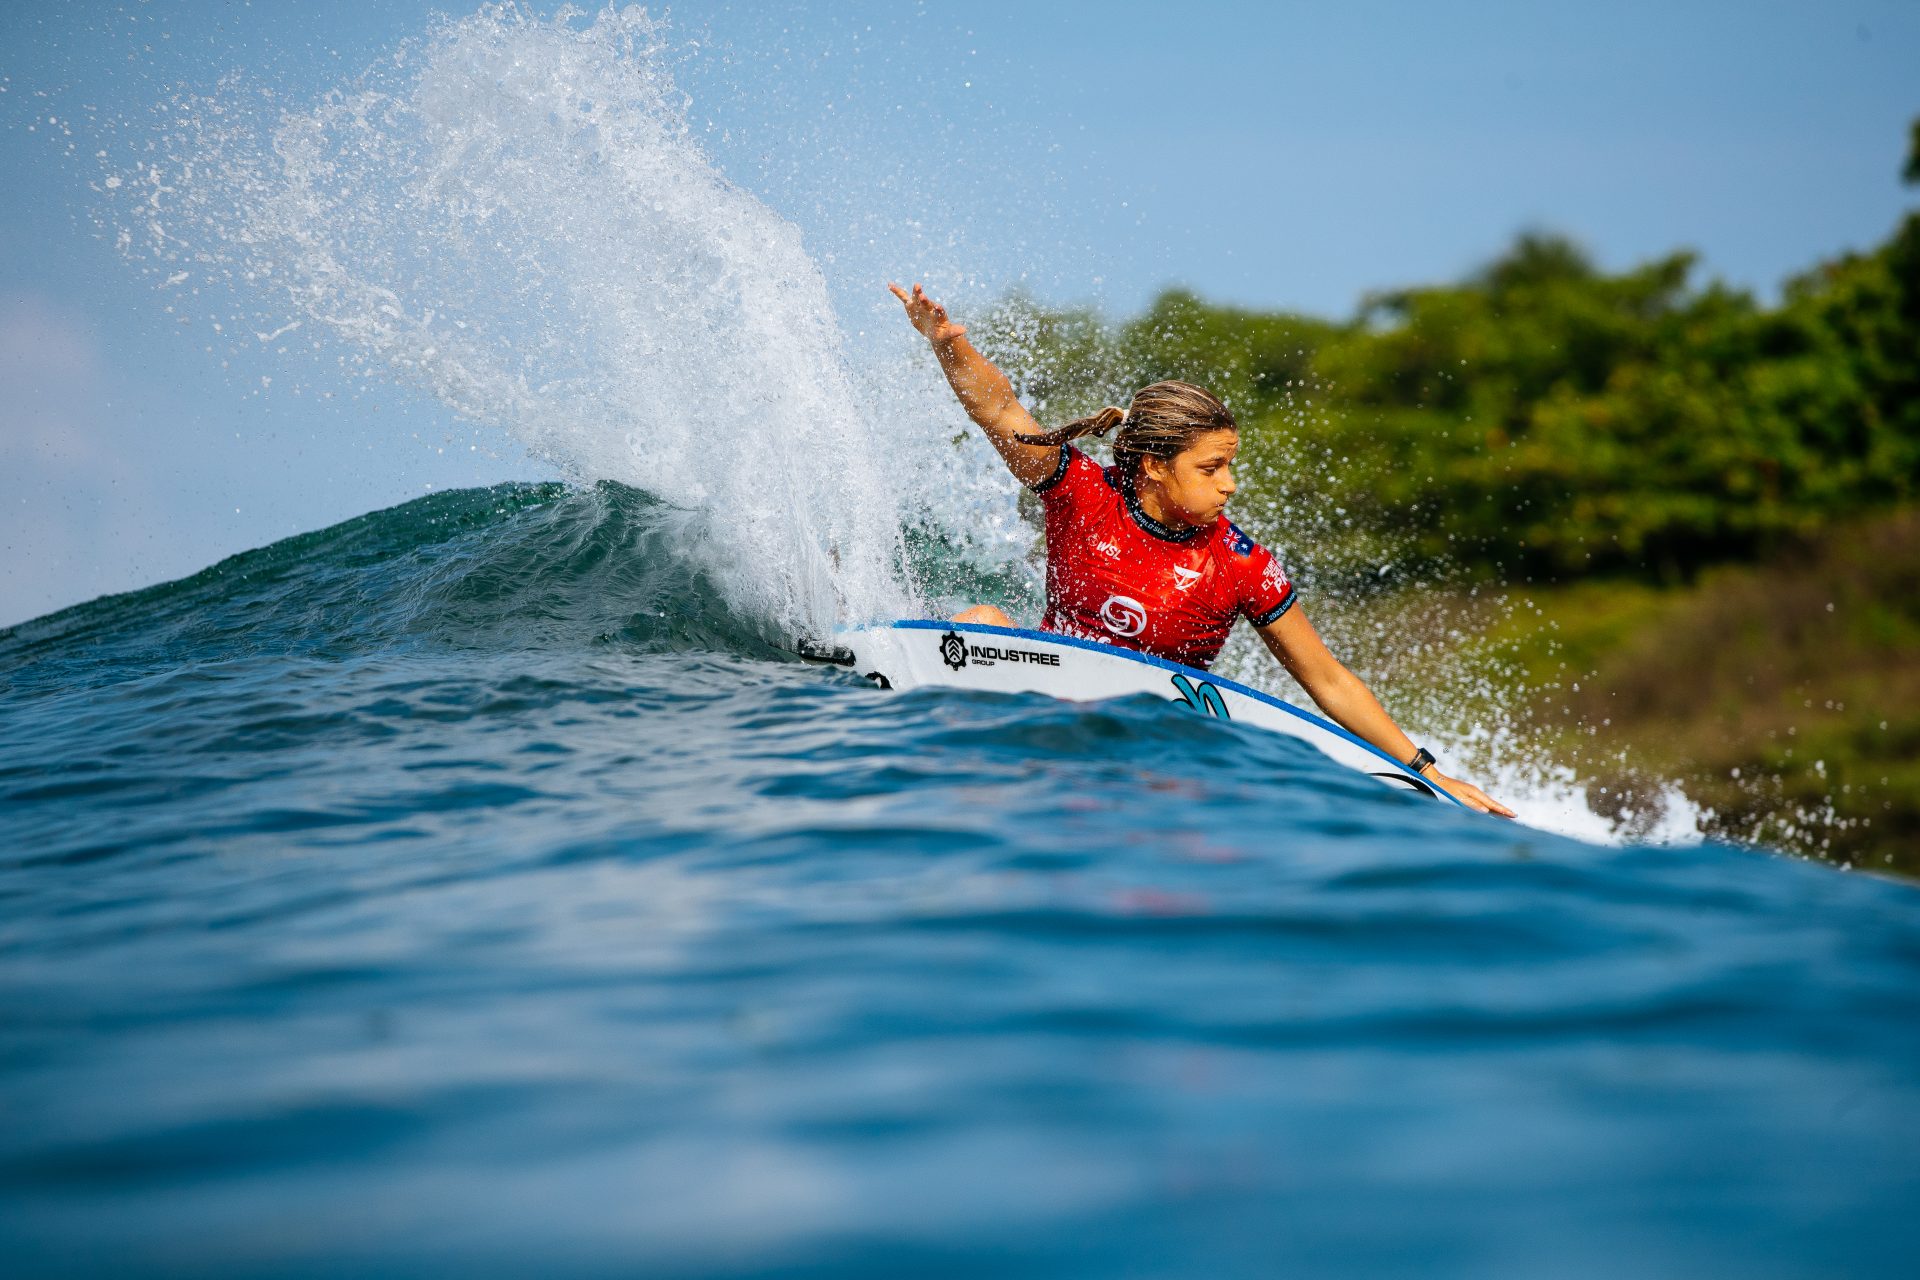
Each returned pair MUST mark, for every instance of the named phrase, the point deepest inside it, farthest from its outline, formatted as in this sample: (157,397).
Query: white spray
(513,216)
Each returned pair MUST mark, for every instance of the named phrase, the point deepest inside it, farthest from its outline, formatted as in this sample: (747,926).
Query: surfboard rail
(914,653)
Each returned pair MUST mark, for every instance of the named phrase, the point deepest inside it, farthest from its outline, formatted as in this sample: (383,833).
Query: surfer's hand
(928,316)
(1469,795)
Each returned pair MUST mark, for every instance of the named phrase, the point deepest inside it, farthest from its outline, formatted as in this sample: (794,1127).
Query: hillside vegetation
(1784,697)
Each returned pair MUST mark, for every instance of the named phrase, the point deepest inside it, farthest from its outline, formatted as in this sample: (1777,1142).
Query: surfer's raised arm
(983,390)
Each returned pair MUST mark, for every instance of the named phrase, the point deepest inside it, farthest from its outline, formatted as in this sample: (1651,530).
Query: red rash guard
(1116,574)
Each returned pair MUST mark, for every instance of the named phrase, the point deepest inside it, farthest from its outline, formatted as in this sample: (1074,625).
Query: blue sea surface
(461,890)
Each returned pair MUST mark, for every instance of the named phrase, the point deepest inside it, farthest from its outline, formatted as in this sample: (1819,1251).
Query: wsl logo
(953,650)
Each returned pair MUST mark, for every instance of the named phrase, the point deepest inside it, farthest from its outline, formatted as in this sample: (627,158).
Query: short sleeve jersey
(1116,574)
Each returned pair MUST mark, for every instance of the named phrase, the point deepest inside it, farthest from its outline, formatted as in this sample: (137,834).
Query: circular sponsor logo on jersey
(953,650)
(1124,616)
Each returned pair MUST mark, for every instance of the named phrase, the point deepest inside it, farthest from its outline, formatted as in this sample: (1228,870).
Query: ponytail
(1097,424)
(1163,420)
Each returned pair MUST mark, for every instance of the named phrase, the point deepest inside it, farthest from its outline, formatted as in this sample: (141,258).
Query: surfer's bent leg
(984,613)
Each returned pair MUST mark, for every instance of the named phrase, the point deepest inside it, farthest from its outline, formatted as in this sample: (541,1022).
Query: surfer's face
(1195,483)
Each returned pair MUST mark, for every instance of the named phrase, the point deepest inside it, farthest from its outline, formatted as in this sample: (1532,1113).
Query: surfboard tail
(823,651)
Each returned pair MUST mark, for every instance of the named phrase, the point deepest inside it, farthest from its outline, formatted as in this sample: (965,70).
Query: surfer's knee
(986,614)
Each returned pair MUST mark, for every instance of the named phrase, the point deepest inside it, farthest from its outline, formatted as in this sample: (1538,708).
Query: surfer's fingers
(1494,806)
(897,291)
(1480,801)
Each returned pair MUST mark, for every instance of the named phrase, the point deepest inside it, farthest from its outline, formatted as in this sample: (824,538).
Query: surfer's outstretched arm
(983,390)
(1349,703)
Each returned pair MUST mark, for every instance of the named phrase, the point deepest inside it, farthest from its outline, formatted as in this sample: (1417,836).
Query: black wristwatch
(1422,761)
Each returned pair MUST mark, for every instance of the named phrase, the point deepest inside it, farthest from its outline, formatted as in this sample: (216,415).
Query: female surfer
(1141,554)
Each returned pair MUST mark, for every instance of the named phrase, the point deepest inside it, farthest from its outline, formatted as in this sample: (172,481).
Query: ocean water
(481,887)
(464,890)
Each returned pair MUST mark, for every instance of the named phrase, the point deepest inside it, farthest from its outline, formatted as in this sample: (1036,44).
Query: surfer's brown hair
(1164,419)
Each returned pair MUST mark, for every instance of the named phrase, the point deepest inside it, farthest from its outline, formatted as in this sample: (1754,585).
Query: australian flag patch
(1237,542)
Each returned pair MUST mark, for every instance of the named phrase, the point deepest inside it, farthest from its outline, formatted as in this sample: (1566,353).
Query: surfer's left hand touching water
(1141,554)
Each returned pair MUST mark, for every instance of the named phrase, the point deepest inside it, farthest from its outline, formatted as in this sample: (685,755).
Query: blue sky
(1271,154)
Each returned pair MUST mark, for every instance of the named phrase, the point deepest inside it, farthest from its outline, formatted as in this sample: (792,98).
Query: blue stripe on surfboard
(1153,660)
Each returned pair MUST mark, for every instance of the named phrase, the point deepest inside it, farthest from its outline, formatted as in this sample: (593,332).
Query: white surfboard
(909,655)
